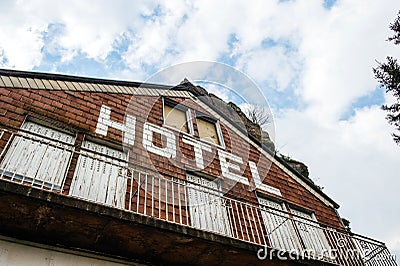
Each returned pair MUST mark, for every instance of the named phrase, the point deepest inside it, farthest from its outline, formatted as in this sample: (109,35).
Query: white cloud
(276,65)
(91,27)
(20,40)
(219,91)
(340,51)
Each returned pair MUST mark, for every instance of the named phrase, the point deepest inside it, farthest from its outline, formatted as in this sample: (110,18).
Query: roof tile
(32,83)
(113,88)
(118,89)
(95,87)
(84,86)
(122,89)
(104,88)
(110,88)
(62,85)
(55,85)
(77,86)
(24,82)
(89,86)
(47,84)
(39,83)
(152,93)
(2,83)
(142,91)
(70,86)
(128,90)
(15,82)
(168,93)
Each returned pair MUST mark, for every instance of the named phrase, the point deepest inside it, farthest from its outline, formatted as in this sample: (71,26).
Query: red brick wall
(80,110)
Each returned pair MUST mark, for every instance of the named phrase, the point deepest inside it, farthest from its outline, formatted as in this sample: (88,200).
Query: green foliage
(259,115)
(395,26)
(388,75)
(299,167)
(286,158)
(346,224)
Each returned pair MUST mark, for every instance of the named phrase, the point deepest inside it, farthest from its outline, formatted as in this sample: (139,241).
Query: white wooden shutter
(312,235)
(98,177)
(206,206)
(280,229)
(42,161)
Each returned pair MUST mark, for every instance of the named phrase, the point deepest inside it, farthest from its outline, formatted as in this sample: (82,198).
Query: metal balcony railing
(102,175)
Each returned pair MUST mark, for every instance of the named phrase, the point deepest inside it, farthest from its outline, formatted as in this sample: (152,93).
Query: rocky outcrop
(234,113)
(299,167)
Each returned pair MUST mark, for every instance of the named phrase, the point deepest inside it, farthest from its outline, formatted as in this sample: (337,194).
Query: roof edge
(73,78)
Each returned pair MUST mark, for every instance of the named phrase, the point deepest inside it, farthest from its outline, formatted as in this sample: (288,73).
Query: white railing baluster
(6,147)
(130,192)
(179,202)
(239,218)
(1,155)
(233,219)
(145,195)
(245,223)
(186,204)
(152,196)
(159,197)
(250,223)
(138,192)
(66,173)
(255,225)
(173,201)
(264,242)
(166,200)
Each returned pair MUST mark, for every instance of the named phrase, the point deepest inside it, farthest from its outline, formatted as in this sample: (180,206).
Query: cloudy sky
(312,59)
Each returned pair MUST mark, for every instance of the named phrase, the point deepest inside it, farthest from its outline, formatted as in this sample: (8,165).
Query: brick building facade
(125,172)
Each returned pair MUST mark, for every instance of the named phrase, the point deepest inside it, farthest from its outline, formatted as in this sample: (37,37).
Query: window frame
(67,148)
(180,107)
(302,239)
(217,124)
(285,237)
(195,194)
(316,234)
(100,157)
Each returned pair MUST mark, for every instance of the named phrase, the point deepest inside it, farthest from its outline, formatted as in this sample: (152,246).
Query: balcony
(49,168)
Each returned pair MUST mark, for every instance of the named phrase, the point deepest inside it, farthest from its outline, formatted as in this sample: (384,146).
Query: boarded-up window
(100,175)
(311,233)
(41,158)
(208,130)
(280,228)
(175,118)
(207,206)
